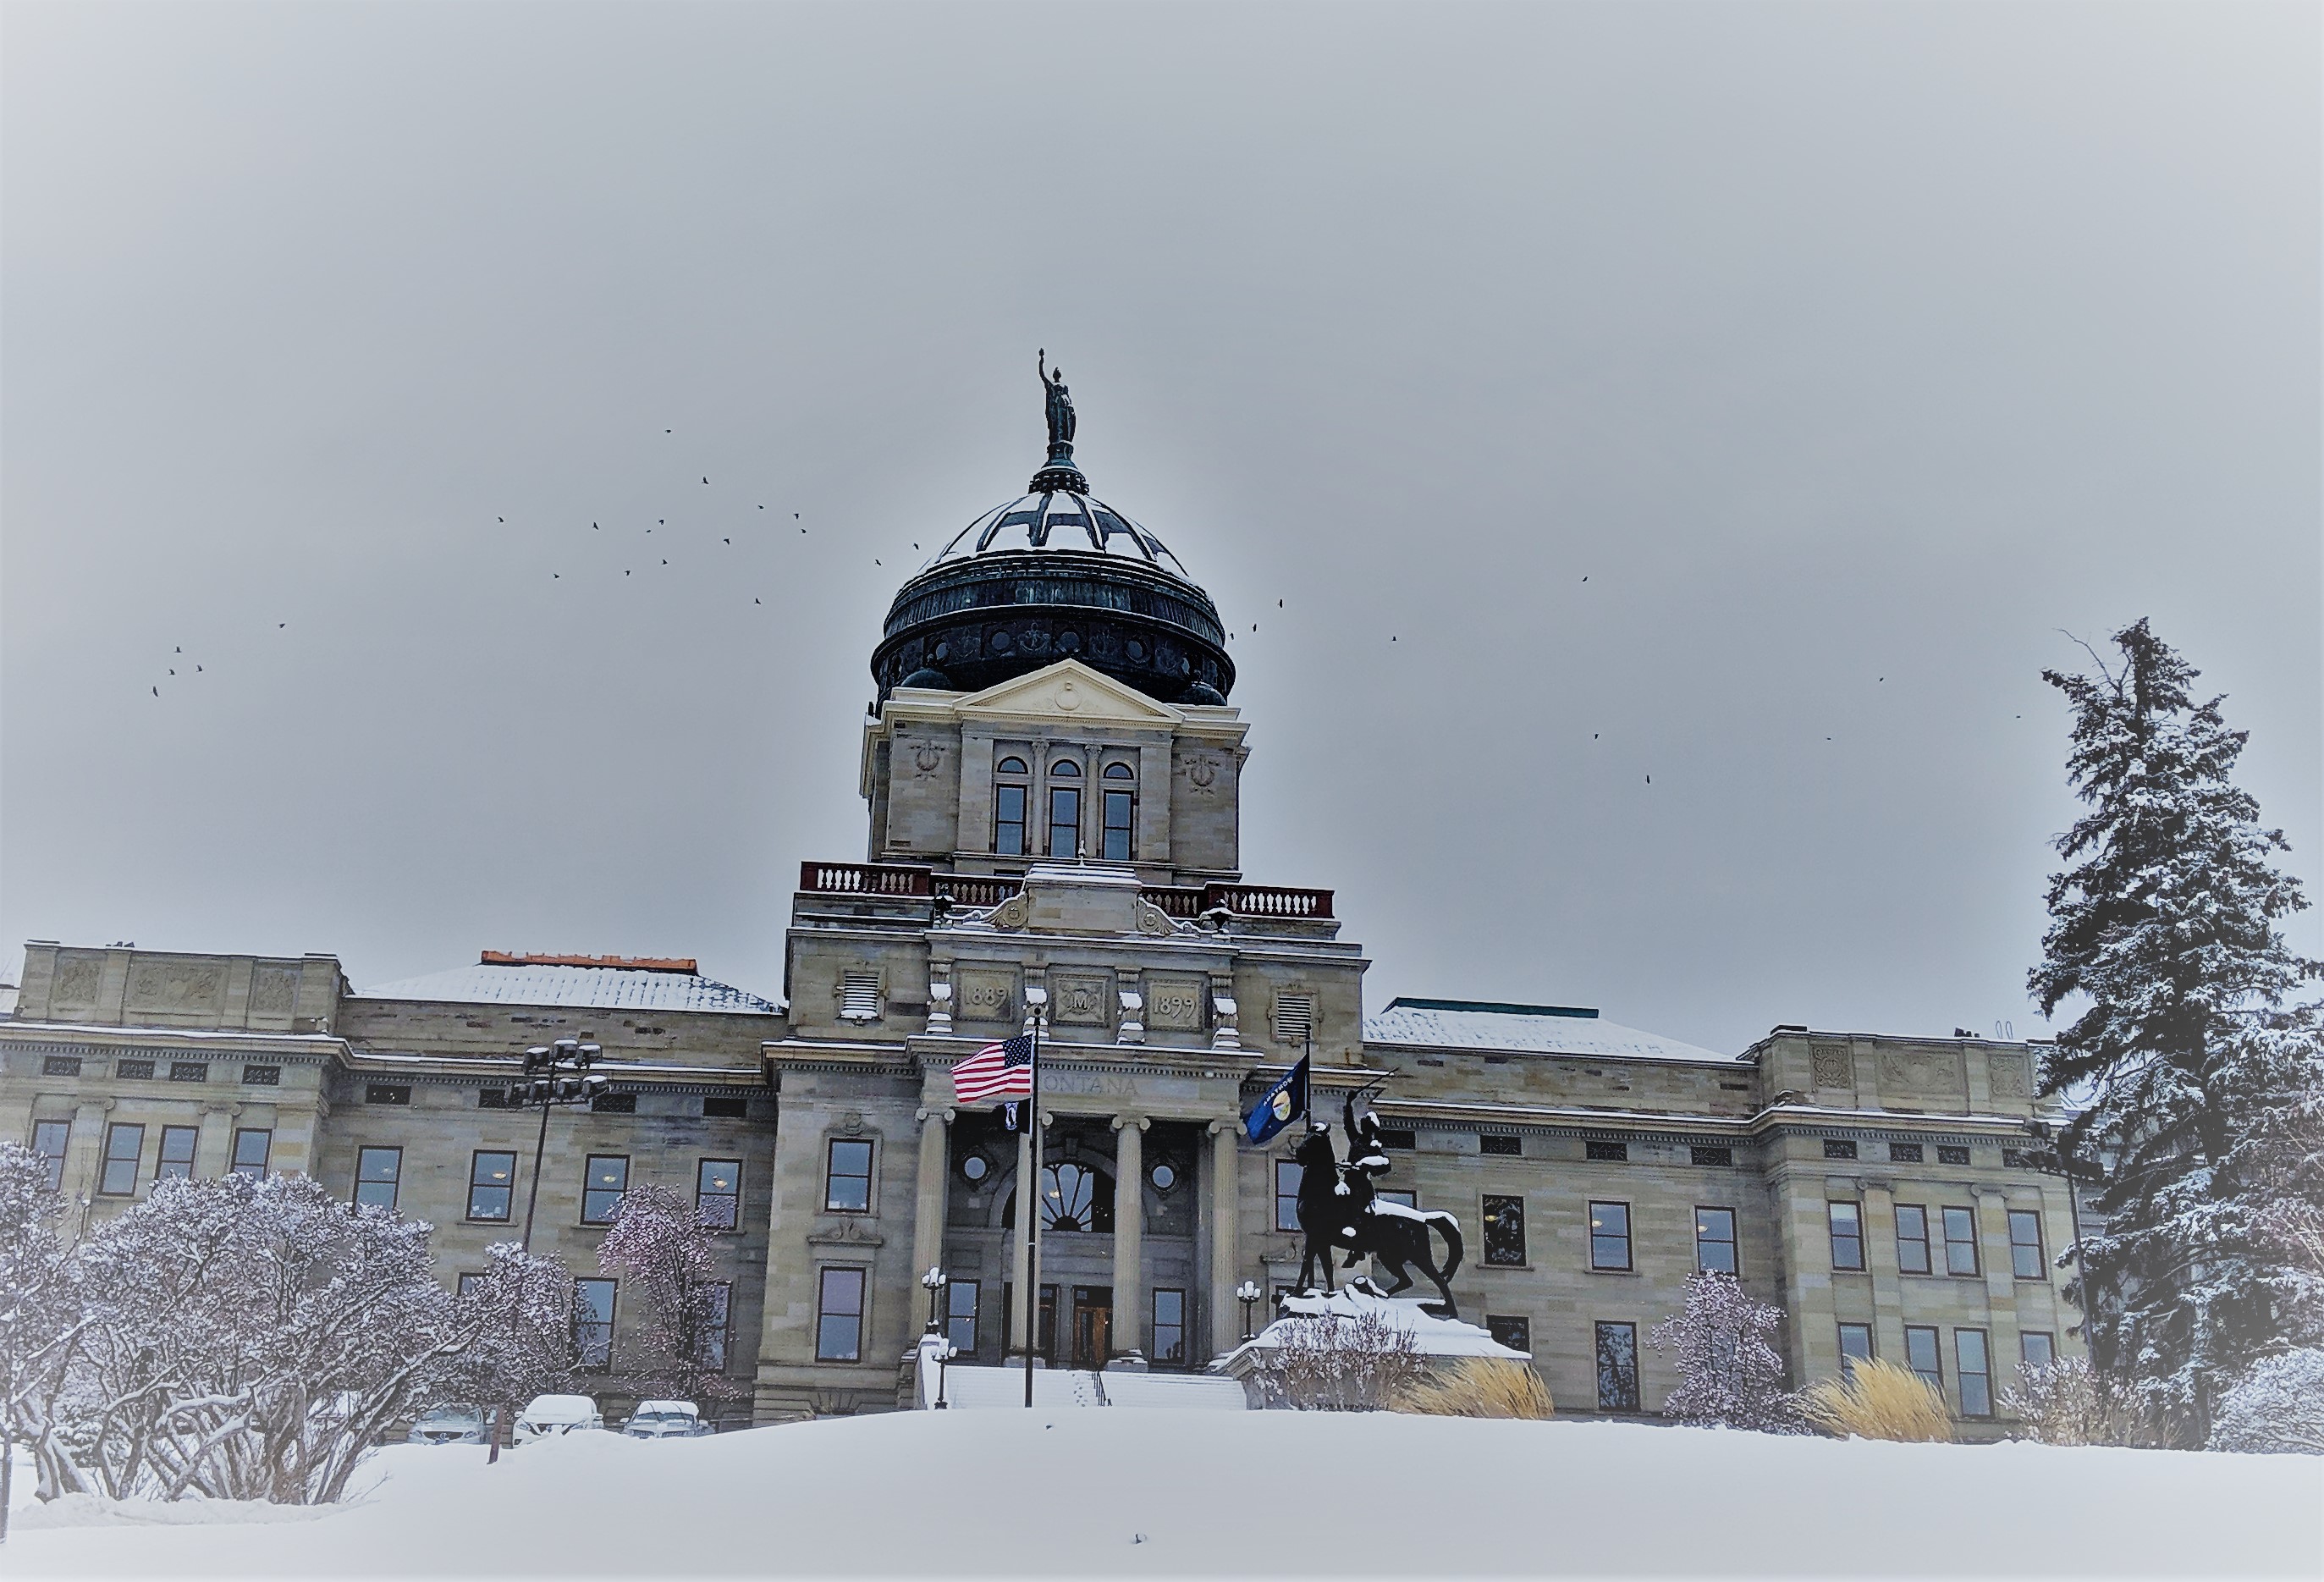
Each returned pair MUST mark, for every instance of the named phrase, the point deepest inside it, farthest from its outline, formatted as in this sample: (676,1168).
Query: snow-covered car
(665,1420)
(547,1417)
(455,1424)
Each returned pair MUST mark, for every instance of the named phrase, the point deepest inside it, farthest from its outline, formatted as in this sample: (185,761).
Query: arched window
(1009,808)
(1119,771)
(1119,804)
(1064,769)
(1073,1197)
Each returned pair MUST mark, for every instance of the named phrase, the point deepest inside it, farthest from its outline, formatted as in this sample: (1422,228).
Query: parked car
(666,1419)
(455,1424)
(547,1417)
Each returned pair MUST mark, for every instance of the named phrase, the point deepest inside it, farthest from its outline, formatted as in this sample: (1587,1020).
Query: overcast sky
(1851,353)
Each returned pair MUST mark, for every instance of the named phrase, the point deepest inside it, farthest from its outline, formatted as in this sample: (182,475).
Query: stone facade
(1060,853)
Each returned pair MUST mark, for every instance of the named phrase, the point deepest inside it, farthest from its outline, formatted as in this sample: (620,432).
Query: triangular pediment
(1070,689)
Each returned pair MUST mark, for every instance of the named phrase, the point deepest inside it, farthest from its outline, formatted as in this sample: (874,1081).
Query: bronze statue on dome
(1061,407)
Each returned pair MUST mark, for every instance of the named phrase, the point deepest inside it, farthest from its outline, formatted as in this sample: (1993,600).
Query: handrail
(981,890)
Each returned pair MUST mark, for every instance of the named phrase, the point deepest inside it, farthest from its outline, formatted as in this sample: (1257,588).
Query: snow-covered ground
(1146,1494)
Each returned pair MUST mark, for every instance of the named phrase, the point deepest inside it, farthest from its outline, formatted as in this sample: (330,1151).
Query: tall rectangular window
(847,1176)
(960,1315)
(1610,1236)
(1921,1355)
(1287,1195)
(718,1193)
(593,1323)
(2037,1348)
(49,1140)
(1169,1326)
(252,1146)
(2026,1244)
(177,1151)
(1065,821)
(123,1141)
(1846,1234)
(839,1316)
(491,1185)
(378,1173)
(1715,1240)
(1505,1245)
(1975,1374)
(1912,1239)
(1854,1347)
(1117,806)
(1961,1241)
(603,1184)
(1009,820)
(1617,1367)
(1511,1330)
(721,1323)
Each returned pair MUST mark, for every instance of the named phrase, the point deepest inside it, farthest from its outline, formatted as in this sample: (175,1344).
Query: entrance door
(1093,1325)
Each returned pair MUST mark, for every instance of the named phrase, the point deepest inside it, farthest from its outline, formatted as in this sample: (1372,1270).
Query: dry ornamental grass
(1479,1386)
(1879,1400)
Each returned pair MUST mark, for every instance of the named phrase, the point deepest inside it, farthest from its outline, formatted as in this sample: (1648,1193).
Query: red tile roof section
(628,963)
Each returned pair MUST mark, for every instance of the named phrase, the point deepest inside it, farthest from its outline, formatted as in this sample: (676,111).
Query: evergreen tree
(2189,1052)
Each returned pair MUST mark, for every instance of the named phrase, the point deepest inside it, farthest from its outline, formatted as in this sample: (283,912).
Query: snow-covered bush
(1478,1386)
(1878,1401)
(2069,1402)
(1730,1374)
(522,1310)
(40,1321)
(1335,1363)
(662,1251)
(2278,1406)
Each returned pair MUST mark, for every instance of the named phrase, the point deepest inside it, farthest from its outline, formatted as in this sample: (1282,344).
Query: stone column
(929,1207)
(1129,1233)
(214,1147)
(1021,1309)
(1226,1138)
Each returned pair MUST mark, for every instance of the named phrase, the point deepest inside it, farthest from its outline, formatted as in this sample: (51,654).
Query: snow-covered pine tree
(2190,1048)
(662,1247)
(1730,1375)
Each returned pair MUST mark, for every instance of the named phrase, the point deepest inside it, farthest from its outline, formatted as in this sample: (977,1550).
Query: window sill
(1512,1268)
(1633,1272)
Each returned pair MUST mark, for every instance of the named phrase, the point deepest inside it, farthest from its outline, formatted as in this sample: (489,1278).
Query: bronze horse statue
(1339,1208)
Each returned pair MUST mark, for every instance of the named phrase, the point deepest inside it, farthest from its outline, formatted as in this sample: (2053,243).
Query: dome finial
(1059,472)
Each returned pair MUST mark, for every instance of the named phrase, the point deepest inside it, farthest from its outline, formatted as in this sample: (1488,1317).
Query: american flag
(997,1070)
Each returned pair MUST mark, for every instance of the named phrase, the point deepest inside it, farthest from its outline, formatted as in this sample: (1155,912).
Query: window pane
(593,1323)
(251,1148)
(1715,1240)
(1921,1356)
(1009,820)
(1287,1195)
(177,1151)
(377,1170)
(2026,1244)
(839,1319)
(1505,1243)
(1169,1326)
(123,1144)
(1961,1241)
(1065,821)
(1116,826)
(720,1319)
(1847,1235)
(1119,771)
(1064,769)
(49,1140)
(718,1193)
(1912,1239)
(603,1187)
(1010,767)
(2036,1349)
(847,1188)
(492,1182)
(1617,1367)
(960,1315)
(1610,1235)
(1855,1346)
(1976,1384)
(1516,1333)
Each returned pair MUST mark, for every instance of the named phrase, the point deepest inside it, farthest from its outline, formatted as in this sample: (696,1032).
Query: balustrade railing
(863,879)
(905,880)
(1267,901)
(977,888)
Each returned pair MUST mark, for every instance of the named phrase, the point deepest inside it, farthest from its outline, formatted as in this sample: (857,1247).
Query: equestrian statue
(1340,1206)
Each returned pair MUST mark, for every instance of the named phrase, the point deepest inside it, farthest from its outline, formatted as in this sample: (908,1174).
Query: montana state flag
(1284,1102)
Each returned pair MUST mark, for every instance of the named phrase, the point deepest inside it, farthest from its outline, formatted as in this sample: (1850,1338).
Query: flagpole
(1032,1206)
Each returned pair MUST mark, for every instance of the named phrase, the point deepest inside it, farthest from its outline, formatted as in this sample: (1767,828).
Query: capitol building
(1051,779)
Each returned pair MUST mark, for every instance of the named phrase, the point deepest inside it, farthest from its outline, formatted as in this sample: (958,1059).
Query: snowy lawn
(1165,1493)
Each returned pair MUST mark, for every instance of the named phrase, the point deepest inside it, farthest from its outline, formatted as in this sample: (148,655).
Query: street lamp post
(933,1282)
(945,1353)
(1247,1293)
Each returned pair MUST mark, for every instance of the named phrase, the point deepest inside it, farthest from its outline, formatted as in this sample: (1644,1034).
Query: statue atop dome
(1059,472)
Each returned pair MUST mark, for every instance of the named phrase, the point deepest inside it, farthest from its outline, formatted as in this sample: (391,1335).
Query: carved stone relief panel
(984,994)
(1175,1002)
(2009,1076)
(1921,1070)
(1833,1066)
(272,990)
(190,985)
(1081,999)
(77,981)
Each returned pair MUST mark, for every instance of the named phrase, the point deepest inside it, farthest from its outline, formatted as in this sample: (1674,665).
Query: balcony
(908,881)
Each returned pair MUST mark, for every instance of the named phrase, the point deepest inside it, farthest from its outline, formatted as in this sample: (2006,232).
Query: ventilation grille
(388,1092)
(1294,1020)
(859,996)
(1600,1148)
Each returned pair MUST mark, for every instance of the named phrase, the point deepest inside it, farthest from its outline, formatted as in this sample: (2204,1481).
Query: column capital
(943,1113)
(1219,1128)
(1140,1121)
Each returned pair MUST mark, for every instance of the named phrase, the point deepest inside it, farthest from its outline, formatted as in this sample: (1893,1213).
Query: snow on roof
(535,981)
(1527,1029)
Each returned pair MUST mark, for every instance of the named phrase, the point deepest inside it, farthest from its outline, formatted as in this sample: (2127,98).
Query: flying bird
(1278,604)
(1650,780)
(754,601)
(725,540)
(1585,579)
(278,625)
(595,528)
(176,651)
(157,691)
(173,672)
(705,480)
(500,519)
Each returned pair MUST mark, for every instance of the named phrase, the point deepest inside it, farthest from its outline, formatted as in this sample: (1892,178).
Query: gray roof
(610,987)
(1525,1029)
(1060,520)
